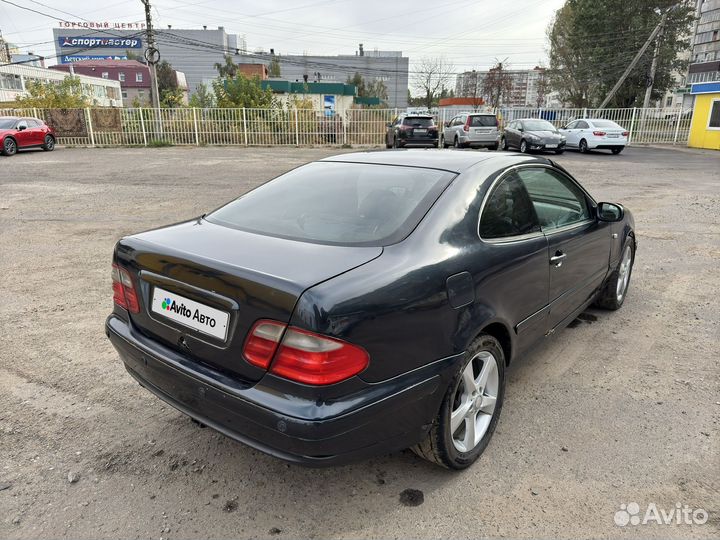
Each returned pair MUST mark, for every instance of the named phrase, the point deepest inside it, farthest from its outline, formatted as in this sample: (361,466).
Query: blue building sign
(69,59)
(80,42)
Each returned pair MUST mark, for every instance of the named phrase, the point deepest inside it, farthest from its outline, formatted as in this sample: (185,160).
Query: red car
(20,133)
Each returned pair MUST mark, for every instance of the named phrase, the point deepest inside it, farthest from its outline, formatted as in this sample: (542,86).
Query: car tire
(494,147)
(9,147)
(560,152)
(614,291)
(583,147)
(479,407)
(617,150)
(456,142)
(395,143)
(523,146)
(49,145)
(504,144)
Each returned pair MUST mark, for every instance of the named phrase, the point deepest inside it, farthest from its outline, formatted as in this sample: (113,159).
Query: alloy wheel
(624,274)
(583,146)
(10,147)
(523,147)
(49,143)
(475,401)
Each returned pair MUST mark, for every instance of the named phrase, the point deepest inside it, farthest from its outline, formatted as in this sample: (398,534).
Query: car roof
(448,160)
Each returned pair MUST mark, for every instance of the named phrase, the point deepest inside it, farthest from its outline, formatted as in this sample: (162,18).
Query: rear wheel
(470,410)
(583,146)
(456,142)
(49,145)
(9,147)
(523,146)
(617,150)
(615,290)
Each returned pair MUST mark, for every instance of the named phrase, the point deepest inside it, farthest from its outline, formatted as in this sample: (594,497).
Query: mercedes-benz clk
(366,302)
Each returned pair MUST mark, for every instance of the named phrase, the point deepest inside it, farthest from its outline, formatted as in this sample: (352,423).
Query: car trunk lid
(193,270)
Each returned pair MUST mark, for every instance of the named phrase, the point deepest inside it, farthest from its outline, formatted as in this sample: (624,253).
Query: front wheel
(49,145)
(615,289)
(395,143)
(523,146)
(504,144)
(617,150)
(470,410)
(9,147)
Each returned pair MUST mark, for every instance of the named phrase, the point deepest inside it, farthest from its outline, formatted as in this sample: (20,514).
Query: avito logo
(181,309)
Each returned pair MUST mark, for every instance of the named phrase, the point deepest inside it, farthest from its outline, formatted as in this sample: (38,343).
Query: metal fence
(307,127)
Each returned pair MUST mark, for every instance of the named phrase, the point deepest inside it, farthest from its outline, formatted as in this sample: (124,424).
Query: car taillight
(303,356)
(625,133)
(124,293)
(262,341)
(466,127)
(599,133)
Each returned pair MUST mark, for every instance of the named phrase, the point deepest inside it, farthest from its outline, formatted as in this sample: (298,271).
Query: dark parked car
(532,134)
(23,133)
(366,302)
(412,129)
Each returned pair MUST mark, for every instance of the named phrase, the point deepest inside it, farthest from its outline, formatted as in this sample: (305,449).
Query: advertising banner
(68,59)
(95,42)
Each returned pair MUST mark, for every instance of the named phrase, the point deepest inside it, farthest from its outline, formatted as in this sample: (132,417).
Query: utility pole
(653,66)
(635,60)
(152,55)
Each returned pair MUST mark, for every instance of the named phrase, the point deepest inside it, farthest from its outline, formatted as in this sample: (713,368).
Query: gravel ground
(621,407)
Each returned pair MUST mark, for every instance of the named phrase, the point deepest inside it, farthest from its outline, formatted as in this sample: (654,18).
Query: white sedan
(588,134)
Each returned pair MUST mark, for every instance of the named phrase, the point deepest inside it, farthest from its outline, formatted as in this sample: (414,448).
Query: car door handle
(558,258)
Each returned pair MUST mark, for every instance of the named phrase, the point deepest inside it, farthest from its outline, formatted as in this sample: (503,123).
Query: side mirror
(22,127)
(447,124)
(521,128)
(610,212)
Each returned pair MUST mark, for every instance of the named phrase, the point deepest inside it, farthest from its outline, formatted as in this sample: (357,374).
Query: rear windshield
(349,204)
(7,123)
(483,121)
(418,121)
(538,125)
(604,124)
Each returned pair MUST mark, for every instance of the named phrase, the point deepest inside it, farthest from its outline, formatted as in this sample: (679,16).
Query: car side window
(557,200)
(32,123)
(508,211)
(455,121)
(571,125)
(582,125)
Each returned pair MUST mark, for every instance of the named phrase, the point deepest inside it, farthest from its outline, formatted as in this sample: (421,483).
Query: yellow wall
(700,135)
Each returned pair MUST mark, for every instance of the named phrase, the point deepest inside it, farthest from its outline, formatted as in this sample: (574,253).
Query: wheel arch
(500,332)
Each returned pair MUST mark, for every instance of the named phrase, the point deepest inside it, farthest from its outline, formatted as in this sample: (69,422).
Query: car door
(515,275)
(509,131)
(578,243)
(448,130)
(582,131)
(37,134)
(24,133)
(569,132)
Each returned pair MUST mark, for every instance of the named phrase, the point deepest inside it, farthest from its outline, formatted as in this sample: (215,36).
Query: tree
(375,88)
(274,68)
(66,94)
(497,84)
(543,87)
(431,77)
(228,69)
(241,91)
(593,41)
(202,98)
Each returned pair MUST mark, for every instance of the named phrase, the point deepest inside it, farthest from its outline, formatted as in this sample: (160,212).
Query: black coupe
(366,302)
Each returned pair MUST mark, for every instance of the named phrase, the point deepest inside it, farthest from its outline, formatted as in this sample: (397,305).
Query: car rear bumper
(419,141)
(389,416)
(607,145)
(489,139)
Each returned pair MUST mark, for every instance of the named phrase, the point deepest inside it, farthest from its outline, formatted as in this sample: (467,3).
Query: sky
(470,34)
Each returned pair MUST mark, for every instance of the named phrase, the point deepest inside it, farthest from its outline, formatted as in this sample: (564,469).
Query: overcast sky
(469,33)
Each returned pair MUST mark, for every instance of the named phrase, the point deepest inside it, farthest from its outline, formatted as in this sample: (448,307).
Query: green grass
(158,143)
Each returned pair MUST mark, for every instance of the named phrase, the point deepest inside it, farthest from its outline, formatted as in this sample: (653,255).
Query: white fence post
(142,126)
(197,137)
(245,127)
(88,117)
(343,119)
(632,126)
(677,126)
(297,130)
